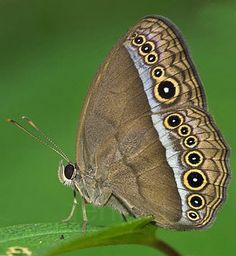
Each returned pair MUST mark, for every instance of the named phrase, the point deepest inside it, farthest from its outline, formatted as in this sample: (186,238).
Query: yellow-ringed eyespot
(193,216)
(194,158)
(151,58)
(146,48)
(174,120)
(166,91)
(139,40)
(184,130)
(135,34)
(190,141)
(196,201)
(158,72)
(194,179)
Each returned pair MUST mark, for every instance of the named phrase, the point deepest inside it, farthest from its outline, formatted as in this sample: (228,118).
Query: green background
(49,52)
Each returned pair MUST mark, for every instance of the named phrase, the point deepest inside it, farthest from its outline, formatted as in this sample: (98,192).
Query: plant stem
(165,248)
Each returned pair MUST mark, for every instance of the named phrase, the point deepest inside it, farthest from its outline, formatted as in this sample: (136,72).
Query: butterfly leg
(84,214)
(75,203)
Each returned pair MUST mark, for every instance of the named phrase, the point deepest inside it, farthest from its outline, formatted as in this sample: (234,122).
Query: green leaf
(58,238)
(33,236)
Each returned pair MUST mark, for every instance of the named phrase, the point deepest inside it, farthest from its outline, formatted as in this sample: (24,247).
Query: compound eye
(69,171)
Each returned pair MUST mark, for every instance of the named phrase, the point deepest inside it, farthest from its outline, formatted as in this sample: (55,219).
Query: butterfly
(146,143)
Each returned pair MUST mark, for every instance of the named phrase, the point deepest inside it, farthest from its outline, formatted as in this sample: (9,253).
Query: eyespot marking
(166,91)
(184,130)
(191,141)
(157,73)
(135,34)
(146,48)
(193,216)
(194,179)
(151,58)
(196,201)
(139,40)
(194,158)
(174,120)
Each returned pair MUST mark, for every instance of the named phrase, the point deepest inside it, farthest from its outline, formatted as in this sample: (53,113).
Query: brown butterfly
(146,143)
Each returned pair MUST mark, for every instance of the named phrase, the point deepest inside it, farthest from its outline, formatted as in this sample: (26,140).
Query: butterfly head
(68,173)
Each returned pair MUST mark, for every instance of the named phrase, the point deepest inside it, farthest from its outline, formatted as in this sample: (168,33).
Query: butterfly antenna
(53,146)
(48,139)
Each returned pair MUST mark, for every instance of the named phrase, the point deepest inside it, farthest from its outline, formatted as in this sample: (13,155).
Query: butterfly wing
(145,133)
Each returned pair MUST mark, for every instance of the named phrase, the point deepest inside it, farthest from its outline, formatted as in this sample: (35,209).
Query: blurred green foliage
(49,239)
(49,52)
